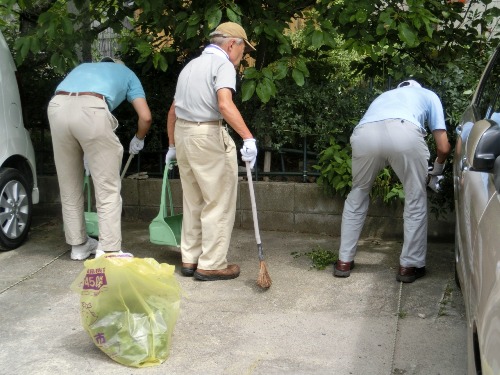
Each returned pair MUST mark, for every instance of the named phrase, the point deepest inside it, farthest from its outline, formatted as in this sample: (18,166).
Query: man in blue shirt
(81,123)
(392,133)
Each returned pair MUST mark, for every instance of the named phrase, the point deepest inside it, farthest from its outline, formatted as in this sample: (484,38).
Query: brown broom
(264,280)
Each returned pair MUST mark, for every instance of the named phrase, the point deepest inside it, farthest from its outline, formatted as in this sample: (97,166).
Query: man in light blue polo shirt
(81,122)
(392,133)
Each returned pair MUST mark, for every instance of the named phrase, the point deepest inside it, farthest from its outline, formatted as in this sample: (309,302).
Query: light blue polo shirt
(113,80)
(414,104)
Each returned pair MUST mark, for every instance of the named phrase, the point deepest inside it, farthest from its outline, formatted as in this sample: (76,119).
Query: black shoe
(410,274)
(188,269)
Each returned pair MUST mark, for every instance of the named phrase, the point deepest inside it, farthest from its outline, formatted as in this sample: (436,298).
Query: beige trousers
(401,145)
(78,125)
(206,156)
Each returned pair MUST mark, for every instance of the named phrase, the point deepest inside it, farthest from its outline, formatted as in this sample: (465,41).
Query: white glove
(249,151)
(136,145)
(434,183)
(171,155)
(86,166)
(437,170)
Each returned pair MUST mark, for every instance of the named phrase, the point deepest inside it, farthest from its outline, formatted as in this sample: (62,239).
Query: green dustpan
(91,220)
(166,229)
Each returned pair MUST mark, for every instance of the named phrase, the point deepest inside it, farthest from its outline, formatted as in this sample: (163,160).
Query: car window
(488,104)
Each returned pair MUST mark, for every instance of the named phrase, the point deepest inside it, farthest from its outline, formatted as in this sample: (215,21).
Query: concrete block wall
(281,206)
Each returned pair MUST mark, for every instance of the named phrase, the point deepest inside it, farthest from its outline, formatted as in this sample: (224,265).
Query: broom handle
(254,208)
(126,166)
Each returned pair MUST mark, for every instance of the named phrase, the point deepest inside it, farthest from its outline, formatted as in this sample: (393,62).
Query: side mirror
(483,146)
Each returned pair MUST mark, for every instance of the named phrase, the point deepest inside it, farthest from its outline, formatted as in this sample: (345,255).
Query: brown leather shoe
(410,274)
(343,269)
(231,272)
(188,269)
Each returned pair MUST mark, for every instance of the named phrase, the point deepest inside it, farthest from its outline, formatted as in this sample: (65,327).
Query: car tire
(16,209)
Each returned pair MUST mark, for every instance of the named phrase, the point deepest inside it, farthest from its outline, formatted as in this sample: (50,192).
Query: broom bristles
(264,280)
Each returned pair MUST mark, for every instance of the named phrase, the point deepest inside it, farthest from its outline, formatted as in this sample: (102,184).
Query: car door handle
(463,166)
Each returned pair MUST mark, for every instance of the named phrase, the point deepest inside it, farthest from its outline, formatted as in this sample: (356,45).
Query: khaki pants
(206,156)
(78,125)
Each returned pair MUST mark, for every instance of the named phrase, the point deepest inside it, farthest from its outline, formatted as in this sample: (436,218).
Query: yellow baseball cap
(232,29)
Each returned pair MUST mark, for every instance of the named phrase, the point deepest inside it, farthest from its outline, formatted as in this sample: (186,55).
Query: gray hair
(219,40)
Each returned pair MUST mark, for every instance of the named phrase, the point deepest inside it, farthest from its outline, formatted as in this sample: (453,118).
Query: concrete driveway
(308,322)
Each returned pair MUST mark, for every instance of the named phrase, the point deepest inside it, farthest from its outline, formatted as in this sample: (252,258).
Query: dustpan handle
(166,190)
(86,184)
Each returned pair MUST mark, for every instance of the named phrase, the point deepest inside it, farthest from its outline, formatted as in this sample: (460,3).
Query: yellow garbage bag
(129,307)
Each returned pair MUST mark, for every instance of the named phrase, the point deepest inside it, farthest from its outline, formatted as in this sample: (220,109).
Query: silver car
(476,174)
(18,178)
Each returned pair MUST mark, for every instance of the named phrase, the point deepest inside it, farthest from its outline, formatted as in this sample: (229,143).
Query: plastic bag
(129,307)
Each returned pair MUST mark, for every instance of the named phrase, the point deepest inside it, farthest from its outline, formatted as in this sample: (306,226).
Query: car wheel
(16,209)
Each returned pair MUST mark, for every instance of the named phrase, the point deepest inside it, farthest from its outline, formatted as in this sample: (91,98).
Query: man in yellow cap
(206,154)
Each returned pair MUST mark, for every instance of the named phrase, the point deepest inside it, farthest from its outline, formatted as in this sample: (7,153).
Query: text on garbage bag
(95,279)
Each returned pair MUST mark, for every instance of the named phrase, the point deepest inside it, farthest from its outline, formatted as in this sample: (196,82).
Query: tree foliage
(388,34)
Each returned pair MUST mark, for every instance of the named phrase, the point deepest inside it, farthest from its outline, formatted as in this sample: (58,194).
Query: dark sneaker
(188,269)
(410,274)
(343,269)
(231,272)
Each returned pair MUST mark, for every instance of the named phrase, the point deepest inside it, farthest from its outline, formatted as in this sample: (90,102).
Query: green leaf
(68,26)
(214,18)
(45,18)
(35,45)
(264,90)
(301,65)
(25,47)
(194,20)
(268,73)
(233,17)
(344,17)
(280,70)
(251,73)
(407,35)
(361,16)
(247,89)
(191,31)
(317,38)
(298,77)
(180,28)
(55,59)
(160,62)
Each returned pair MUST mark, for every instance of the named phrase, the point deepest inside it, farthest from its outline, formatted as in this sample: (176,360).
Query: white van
(18,179)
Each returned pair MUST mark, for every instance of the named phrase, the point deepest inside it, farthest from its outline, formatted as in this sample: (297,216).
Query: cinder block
(390,228)
(281,206)
(311,198)
(269,196)
(318,223)
(149,192)
(268,220)
(130,192)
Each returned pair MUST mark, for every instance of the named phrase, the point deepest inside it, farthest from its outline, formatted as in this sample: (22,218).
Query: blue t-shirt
(113,80)
(414,104)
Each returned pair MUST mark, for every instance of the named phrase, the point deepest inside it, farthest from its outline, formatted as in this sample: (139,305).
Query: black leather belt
(80,94)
